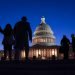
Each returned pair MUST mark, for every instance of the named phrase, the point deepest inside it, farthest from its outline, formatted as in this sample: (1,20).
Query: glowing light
(7,57)
(41,40)
(55,52)
(62,55)
(43,19)
(52,51)
(3,54)
(23,54)
(43,58)
(39,52)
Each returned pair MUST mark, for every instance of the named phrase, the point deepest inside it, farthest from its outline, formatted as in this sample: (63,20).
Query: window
(23,54)
(43,40)
(37,53)
(56,52)
(53,52)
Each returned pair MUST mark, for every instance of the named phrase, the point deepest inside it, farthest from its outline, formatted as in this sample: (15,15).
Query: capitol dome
(43,34)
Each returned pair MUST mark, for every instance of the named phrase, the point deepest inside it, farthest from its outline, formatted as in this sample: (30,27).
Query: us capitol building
(43,43)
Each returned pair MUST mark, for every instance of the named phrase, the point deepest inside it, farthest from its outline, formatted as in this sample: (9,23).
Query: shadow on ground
(38,67)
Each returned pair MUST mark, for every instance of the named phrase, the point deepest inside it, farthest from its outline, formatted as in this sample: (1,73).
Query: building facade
(43,43)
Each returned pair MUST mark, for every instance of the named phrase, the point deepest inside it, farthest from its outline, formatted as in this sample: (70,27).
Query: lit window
(43,58)
(50,52)
(39,52)
(62,55)
(43,40)
(44,52)
(34,52)
(7,57)
(31,53)
(23,54)
(53,52)
(35,40)
(38,40)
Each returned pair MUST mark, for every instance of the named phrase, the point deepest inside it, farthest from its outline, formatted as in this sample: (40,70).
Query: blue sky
(59,14)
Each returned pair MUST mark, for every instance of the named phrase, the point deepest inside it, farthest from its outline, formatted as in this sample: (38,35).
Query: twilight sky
(59,14)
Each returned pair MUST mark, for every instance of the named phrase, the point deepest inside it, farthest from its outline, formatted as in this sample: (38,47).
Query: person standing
(73,43)
(7,41)
(65,46)
(22,35)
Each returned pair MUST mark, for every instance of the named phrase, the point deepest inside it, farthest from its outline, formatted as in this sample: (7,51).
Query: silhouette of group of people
(65,45)
(19,36)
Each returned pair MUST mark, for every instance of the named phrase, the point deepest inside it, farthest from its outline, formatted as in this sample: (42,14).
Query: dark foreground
(38,67)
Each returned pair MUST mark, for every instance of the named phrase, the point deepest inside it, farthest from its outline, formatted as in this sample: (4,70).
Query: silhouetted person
(65,46)
(7,41)
(73,43)
(22,35)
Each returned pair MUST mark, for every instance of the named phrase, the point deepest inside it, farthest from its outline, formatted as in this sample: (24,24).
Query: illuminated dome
(43,34)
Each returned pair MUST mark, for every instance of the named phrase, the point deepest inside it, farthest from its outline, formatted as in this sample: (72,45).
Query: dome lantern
(43,19)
